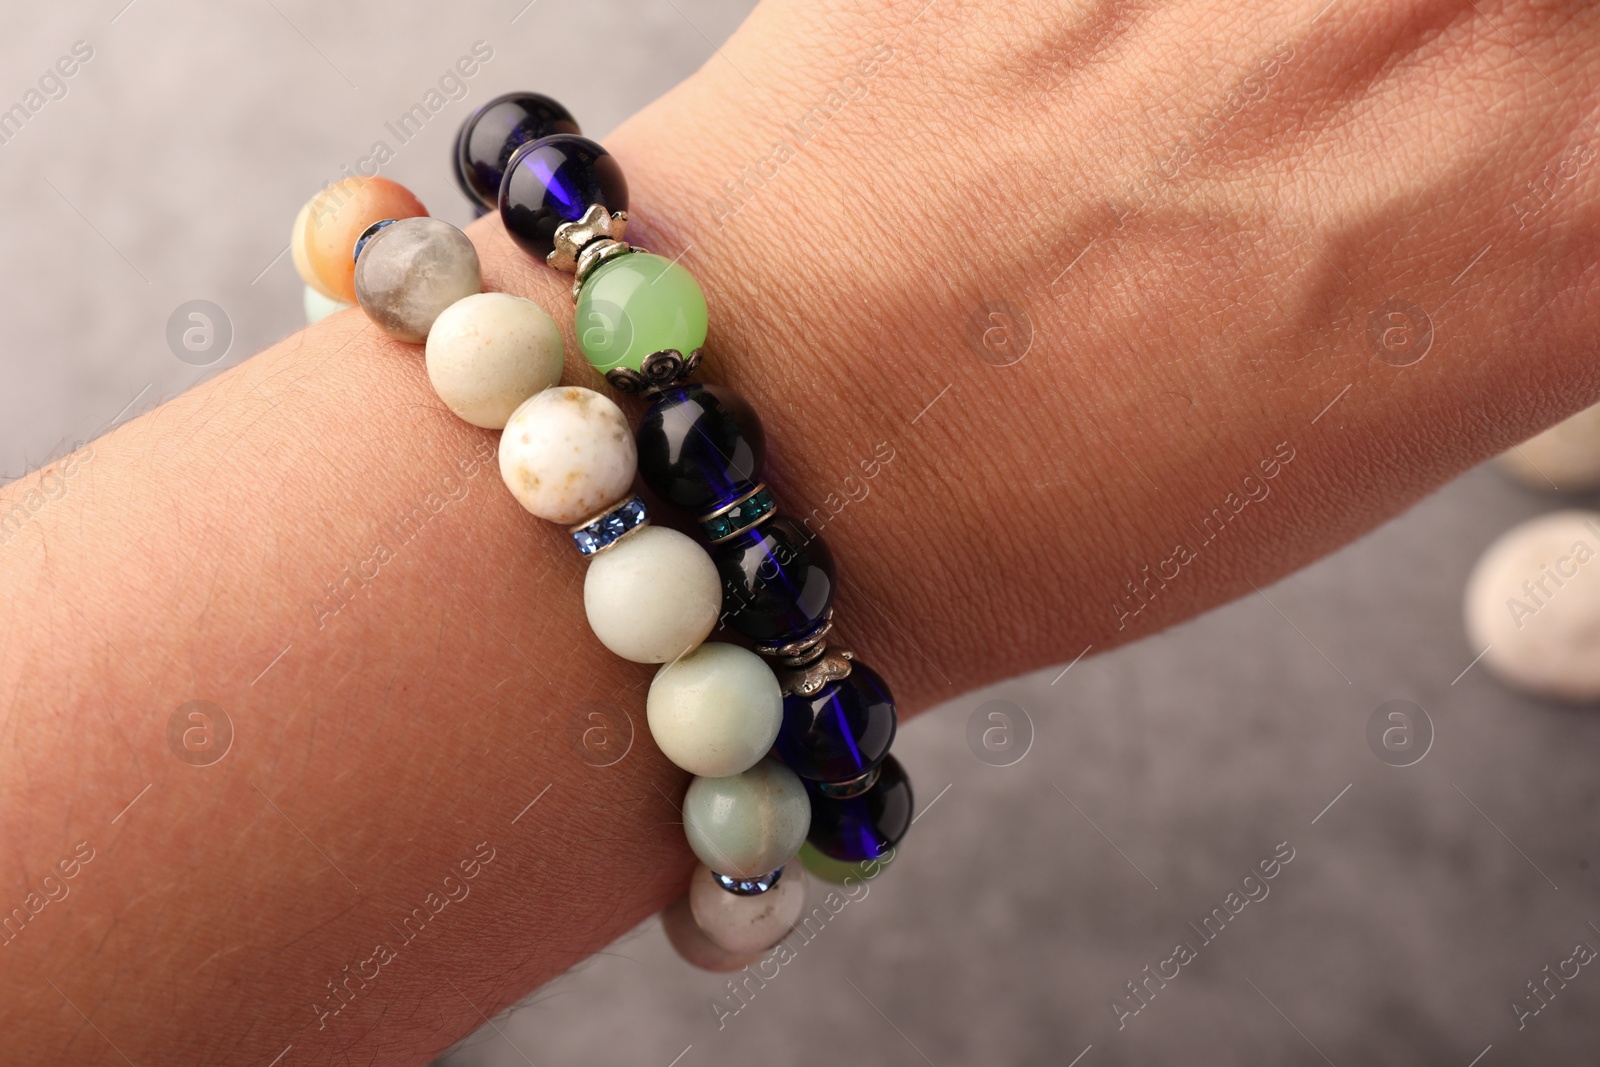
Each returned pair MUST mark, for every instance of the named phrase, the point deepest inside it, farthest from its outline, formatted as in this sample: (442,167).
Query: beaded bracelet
(788,759)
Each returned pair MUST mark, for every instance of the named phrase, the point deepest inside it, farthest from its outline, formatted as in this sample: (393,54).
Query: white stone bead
(691,942)
(743,924)
(1534,600)
(747,825)
(567,454)
(1566,457)
(715,711)
(652,596)
(319,307)
(489,352)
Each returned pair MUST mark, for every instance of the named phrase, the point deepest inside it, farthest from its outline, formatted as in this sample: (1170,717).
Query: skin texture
(1197,205)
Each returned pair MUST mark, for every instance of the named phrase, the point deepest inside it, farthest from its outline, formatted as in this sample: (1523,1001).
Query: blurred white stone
(1534,600)
(319,307)
(742,924)
(1567,454)
(694,946)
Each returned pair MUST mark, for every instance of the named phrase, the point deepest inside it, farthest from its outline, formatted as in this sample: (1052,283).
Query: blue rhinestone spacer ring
(600,533)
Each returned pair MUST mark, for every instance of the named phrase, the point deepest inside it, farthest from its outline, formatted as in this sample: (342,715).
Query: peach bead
(324,236)
(297,251)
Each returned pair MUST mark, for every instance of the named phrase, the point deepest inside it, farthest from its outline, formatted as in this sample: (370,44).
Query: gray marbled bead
(412,270)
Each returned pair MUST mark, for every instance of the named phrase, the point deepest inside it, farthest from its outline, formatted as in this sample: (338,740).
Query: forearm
(314,544)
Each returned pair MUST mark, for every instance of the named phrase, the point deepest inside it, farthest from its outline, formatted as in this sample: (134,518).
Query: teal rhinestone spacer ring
(752,509)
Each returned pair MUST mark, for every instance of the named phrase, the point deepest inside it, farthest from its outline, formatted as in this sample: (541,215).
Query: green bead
(829,869)
(637,304)
(748,824)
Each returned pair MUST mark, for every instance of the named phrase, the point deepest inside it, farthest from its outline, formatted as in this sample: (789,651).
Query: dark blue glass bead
(842,732)
(608,529)
(863,827)
(458,170)
(701,447)
(486,141)
(777,581)
(554,180)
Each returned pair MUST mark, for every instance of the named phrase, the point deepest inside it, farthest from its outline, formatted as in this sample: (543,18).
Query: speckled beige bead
(489,352)
(744,924)
(1565,458)
(567,454)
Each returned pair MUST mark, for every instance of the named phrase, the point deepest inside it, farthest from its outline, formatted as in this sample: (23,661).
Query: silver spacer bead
(831,665)
(571,238)
(853,788)
(659,370)
(748,887)
(798,653)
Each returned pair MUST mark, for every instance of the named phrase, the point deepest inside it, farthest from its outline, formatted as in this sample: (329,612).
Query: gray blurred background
(1415,908)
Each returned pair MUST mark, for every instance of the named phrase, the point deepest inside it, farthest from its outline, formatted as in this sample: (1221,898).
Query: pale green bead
(319,307)
(828,869)
(747,824)
(636,304)
(715,711)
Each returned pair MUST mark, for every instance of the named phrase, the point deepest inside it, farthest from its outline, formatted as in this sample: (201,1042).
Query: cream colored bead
(1566,457)
(1533,605)
(652,596)
(567,454)
(489,352)
(715,711)
(744,924)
